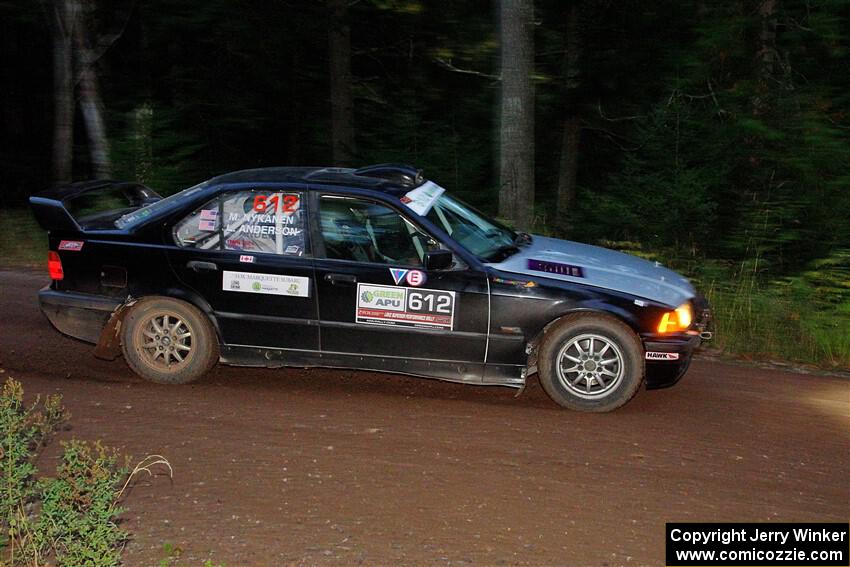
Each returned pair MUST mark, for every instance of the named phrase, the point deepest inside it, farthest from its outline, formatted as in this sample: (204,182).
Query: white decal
(662,355)
(415,278)
(246,258)
(389,305)
(421,199)
(398,274)
(274,284)
(71,245)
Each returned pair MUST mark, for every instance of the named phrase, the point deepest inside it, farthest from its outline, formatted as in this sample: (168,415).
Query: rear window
(138,215)
(252,221)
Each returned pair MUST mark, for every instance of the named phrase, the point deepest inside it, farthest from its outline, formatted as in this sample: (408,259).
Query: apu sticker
(273,284)
(556,268)
(405,307)
(398,274)
(662,355)
(246,258)
(71,245)
(415,278)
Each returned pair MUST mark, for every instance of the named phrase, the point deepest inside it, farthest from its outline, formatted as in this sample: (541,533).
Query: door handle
(340,279)
(199,266)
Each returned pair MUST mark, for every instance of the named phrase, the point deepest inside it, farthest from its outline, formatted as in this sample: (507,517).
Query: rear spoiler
(51,209)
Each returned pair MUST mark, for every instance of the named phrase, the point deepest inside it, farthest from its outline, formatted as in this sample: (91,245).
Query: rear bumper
(78,315)
(661,373)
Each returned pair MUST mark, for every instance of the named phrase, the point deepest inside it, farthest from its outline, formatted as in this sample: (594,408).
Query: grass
(769,321)
(22,242)
(72,518)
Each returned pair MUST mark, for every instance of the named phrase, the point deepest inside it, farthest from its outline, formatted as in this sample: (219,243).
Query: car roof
(387,177)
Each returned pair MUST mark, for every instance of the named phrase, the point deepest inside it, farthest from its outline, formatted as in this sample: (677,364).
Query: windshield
(489,240)
(145,212)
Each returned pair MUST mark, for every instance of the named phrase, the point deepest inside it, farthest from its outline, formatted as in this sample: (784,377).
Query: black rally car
(374,268)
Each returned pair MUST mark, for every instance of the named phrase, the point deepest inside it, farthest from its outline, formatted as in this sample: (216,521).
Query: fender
(109,343)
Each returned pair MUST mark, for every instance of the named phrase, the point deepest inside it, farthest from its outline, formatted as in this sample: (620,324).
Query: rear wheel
(168,341)
(590,362)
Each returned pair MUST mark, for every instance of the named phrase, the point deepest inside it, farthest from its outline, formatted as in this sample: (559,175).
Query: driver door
(377,298)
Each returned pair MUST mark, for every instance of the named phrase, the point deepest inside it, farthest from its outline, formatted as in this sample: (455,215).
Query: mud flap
(109,344)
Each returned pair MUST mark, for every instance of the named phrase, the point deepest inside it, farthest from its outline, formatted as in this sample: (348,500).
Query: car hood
(596,266)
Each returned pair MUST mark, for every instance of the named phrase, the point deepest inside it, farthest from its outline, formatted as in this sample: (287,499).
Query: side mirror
(438,259)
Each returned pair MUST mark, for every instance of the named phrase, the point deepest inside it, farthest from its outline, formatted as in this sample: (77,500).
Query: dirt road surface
(275,467)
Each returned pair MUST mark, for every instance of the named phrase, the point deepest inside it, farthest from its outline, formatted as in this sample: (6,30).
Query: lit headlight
(677,320)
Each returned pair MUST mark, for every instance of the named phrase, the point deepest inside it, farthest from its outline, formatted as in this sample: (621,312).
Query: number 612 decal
(389,305)
(270,204)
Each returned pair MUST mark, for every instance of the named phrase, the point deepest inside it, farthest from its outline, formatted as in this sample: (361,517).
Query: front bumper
(78,315)
(668,357)
(661,372)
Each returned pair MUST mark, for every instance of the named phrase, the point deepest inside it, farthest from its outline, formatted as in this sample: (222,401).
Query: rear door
(247,253)
(377,298)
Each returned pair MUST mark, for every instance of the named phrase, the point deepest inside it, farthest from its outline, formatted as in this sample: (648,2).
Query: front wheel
(168,341)
(590,362)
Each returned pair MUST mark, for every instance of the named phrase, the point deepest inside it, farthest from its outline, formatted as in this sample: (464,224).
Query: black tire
(187,349)
(592,384)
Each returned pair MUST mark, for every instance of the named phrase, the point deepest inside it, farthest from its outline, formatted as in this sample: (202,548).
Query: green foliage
(79,508)
(23,430)
(779,322)
(70,518)
(22,241)
(151,148)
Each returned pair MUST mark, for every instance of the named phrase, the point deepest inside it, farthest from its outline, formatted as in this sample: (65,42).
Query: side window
(201,228)
(366,231)
(251,221)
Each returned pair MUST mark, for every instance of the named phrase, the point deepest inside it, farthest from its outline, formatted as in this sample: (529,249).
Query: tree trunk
(62,15)
(766,55)
(516,154)
(342,104)
(567,171)
(91,103)
(566,193)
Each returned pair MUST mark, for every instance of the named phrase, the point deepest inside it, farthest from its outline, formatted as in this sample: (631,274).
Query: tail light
(54,266)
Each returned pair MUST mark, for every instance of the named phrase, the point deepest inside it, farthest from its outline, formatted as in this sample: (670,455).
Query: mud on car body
(373,268)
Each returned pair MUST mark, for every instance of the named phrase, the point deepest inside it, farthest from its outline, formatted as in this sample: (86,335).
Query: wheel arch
(611,312)
(109,345)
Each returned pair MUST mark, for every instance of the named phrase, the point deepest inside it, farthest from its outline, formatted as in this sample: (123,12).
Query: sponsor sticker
(421,199)
(650,355)
(246,259)
(556,268)
(71,245)
(415,278)
(270,284)
(398,274)
(292,249)
(401,306)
